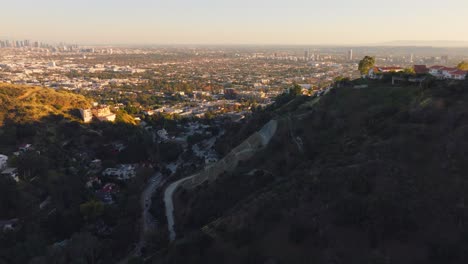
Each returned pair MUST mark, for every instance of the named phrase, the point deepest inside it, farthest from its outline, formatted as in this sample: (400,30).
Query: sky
(339,22)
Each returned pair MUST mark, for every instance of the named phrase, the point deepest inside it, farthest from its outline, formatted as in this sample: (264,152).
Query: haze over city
(337,22)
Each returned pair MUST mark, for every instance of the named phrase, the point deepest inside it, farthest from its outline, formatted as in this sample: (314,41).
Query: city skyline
(335,22)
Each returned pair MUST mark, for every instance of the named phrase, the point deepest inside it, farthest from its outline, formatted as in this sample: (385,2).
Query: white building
(3,161)
(442,72)
(123,172)
(11,172)
(86,115)
(163,134)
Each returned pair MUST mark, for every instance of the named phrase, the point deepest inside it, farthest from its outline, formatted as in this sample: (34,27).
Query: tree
(463,66)
(9,198)
(295,90)
(366,64)
(31,164)
(83,247)
(92,209)
(409,70)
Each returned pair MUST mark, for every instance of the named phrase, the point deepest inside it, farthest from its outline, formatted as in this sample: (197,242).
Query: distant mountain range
(432,43)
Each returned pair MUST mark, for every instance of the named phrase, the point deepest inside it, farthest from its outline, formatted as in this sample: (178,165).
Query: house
(3,161)
(210,160)
(447,72)
(9,225)
(110,188)
(86,115)
(376,72)
(25,147)
(149,112)
(11,172)
(123,172)
(456,75)
(95,164)
(163,134)
(118,147)
(106,192)
(104,197)
(442,72)
(92,182)
(436,71)
(420,69)
(103,113)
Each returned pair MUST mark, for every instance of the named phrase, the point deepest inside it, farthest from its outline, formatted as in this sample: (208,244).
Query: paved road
(168,194)
(148,221)
(266,133)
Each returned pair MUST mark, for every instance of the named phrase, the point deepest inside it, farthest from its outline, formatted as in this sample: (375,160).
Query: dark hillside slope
(381,178)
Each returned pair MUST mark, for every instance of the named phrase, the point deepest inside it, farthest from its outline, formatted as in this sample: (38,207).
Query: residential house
(420,69)
(209,159)
(110,188)
(456,75)
(162,134)
(122,172)
(9,225)
(3,161)
(25,147)
(103,113)
(376,72)
(442,72)
(93,182)
(86,115)
(11,172)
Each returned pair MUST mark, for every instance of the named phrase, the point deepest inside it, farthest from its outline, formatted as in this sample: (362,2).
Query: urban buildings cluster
(190,81)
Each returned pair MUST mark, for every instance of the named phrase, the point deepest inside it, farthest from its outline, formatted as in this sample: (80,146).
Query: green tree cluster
(366,64)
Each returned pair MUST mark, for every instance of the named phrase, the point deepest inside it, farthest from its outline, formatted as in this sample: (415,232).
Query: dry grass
(26,104)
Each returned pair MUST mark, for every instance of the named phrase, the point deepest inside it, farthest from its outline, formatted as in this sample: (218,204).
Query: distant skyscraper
(306,55)
(445,59)
(411,58)
(350,55)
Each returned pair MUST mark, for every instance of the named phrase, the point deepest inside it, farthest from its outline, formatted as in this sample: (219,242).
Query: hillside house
(25,147)
(3,161)
(9,225)
(442,72)
(420,69)
(103,113)
(123,172)
(456,75)
(12,173)
(376,72)
(86,115)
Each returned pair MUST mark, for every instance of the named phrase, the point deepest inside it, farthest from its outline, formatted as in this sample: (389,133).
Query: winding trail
(28,93)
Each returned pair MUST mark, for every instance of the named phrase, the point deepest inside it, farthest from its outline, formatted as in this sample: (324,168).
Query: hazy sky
(234,22)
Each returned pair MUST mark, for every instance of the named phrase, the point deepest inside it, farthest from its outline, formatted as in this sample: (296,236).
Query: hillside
(58,216)
(26,104)
(372,175)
